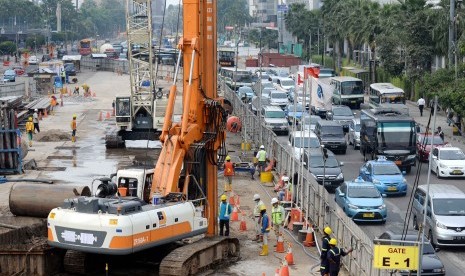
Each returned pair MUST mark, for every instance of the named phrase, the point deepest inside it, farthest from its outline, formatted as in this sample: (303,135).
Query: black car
(430,262)
(341,114)
(331,135)
(329,170)
(70,69)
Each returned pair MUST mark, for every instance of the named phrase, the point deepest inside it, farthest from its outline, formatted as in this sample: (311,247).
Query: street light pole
(451,33)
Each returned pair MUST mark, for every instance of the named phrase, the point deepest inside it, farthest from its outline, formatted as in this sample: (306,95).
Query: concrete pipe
(37,200)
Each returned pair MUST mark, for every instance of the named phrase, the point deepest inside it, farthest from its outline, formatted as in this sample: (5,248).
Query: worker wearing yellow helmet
(30,130)
(265,229)
(324,266)
(225,210)
(228,174)
(73,128)
(334,257)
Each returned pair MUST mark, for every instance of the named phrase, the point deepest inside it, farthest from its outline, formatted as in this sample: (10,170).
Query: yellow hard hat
(262,207)
(30,119)
(74,116)
(224,197)
(333,241)
(228,158)
(328,230)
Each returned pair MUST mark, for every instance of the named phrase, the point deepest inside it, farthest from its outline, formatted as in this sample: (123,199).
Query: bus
(387,95)
(226,57)
(347,91)
(388,132)
(85,47)
(235,78)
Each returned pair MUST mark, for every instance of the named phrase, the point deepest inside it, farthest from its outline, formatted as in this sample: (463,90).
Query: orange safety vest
(228,169)
(73,124)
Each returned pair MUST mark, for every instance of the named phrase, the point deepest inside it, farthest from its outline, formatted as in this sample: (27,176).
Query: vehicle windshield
(241,77)
(318,162)
(267,85)
(449,206)
(342,112)
(351,87)
(9,72)
(278,96)
(122,107)
(451,155)
(386,169)
(296,108)
(396,134)
(393,98)
(306,142)
(311,120)
(287,83)
(426,140)
(247,90)
(363,192)
(275,114)
(332,130)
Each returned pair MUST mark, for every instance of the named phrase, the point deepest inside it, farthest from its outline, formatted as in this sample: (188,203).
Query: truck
(321,91)
(390,133)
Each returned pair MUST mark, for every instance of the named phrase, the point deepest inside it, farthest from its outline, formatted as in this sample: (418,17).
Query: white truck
(321,91)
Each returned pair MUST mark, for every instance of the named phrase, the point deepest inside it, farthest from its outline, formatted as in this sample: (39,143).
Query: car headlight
(382,207)
(440,225)
(442,166)
(351,206)
(412,156)
(340,176)
(376,181)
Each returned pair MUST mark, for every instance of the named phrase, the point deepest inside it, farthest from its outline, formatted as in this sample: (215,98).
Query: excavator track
(75,262)
(194,258)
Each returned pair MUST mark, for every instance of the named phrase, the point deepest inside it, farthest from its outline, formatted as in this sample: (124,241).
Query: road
(453,258)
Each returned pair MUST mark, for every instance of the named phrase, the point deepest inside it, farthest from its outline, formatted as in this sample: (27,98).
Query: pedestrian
(256,213)
(450,116)
(30,130)
(440,133)
(35,120)
(278,215)
(228,174)
(421,105)
(431,105)
(63,77)
(225,211)
(252,170)
(334,257)
(324,266)
(265,230)
(73,128)
(262,156)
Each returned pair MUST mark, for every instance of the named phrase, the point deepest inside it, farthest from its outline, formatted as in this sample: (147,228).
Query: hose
(46,181)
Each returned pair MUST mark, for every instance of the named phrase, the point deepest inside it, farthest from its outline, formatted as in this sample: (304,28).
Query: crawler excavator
(181,200)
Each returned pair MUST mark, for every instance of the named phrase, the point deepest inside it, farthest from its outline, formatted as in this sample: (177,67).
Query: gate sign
(396,257)
(282,8)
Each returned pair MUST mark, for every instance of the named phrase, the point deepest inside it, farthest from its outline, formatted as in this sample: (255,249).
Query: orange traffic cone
(243,226)
(309,239)
(69,92)
(277,272)
(284,271)
(100,116)
(94,95)
(232,199)
(234,215)
(289,256)
(45,113)
(280,245)
(238,201)
(108,116)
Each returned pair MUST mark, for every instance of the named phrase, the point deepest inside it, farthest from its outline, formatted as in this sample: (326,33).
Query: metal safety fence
(317,204)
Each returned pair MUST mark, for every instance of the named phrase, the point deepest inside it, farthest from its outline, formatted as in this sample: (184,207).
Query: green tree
(7,48)
(173,18)
(232,13)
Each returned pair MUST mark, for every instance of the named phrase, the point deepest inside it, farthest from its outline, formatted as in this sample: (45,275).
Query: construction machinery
(135,113)
(180,199)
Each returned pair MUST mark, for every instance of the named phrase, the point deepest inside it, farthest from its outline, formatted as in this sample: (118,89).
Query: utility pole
(451,34)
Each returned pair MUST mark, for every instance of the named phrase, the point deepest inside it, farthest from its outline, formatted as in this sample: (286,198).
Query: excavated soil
(53,135)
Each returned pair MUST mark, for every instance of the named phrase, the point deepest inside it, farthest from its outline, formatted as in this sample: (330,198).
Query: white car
(299,141)
(354,133)
(448,162)
(32,60)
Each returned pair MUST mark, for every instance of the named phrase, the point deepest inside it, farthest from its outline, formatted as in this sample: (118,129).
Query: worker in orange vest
(53,103)
(228,174)
(30,130)
(73,128)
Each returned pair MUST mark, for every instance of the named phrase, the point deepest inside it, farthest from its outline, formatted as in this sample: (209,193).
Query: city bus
(235,79)
(387,95)
(85,47)
(226,57)
(347,91)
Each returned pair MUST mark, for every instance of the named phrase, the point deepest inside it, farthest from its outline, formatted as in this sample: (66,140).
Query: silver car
(354,133)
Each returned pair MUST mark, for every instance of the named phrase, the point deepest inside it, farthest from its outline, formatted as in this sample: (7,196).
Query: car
(274,118)
(278,99)
(9,76)
(308,122)
(61,53)
(300,97)
(245,93)
(361,201)
(430,262)
(385,175)
(424,145)
(301,140)
(267,91)
(273,79)
(326,73)
(19,70)
(70,69)
(341,114)
(448,162)
(32,60)
(329,171)
(331,135)
(256,105)
(354,133)
(284,84)
(294,113)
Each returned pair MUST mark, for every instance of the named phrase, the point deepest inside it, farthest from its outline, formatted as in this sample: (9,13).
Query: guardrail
(317,204)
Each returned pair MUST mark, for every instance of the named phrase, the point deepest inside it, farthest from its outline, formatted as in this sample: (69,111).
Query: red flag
(299,79)
(312,71)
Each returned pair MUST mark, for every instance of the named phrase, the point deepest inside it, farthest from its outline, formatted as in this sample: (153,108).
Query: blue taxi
(361,201)
(385,175)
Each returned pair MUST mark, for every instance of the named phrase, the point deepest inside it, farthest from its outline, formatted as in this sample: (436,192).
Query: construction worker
(35,120)
(277,216)
(30,130)
(265,229)
(86,89)
(73,128)
(63,77)
(228,174)
(225,210)
(334,257)
(282,190)
(53,103)
(76,90)
(256,213)
(262,156)
(324,267)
